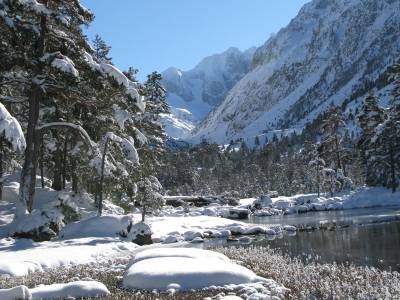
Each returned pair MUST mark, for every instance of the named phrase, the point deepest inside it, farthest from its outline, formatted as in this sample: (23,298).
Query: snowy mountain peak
(201,89)
(330,52)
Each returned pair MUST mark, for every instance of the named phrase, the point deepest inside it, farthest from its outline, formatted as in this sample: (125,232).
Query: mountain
(333,51)
(198,91)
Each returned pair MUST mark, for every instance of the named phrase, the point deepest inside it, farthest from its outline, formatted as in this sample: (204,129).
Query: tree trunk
(1,169)
(338,161)
(143,213)
(57,178)
(41,163)
(318,182)
(100,196)
(392,167)
(64,162)
(74,177)
(28,173)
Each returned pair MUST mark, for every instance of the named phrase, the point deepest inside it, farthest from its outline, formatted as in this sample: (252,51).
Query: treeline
(326,157)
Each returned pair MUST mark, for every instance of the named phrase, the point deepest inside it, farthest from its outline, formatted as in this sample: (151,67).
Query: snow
(16,293)
(11,130)
(173,229)
(99,226)
(184,269)
(21,257)
(74,290)
(121,79)
(362,197)
(128,146)
(308,49)
(66,65)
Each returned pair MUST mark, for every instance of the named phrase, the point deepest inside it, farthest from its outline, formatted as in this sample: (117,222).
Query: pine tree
(317,165)
(101,50)
(369,118)
(50,66)
(332,132)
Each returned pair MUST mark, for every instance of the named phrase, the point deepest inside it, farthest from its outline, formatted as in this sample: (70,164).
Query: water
(340,217)
(374,243)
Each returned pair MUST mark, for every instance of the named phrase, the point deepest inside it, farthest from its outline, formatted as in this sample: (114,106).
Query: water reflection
(375,245)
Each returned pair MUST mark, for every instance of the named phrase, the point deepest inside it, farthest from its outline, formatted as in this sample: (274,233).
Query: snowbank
(56,291)
(21,257)
(75,289)
(18,292)
(184,269)
(104,226)
(363,197)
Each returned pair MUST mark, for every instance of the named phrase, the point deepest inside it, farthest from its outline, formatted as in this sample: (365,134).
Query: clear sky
(156,34)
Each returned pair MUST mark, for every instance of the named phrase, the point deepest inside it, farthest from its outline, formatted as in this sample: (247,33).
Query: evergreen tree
(101,50)
(369,118)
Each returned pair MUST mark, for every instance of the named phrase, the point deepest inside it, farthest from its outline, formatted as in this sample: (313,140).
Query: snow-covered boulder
(262,202)
(184,269)
(140,234)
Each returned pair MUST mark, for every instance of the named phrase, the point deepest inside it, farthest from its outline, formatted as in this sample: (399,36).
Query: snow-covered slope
(193,94)
(333,51)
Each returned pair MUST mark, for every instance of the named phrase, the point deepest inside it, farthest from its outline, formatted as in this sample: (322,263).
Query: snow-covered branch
(82,132)
(11,130)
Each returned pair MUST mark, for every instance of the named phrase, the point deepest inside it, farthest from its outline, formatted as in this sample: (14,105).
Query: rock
(140,234)
(171,239)
(197,240)
(238,213)
(192,234)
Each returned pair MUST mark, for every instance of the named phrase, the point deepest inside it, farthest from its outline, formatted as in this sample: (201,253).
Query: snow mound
(22,257)
(179,252)
(75,289)
(104,226)
(184,269)
(19,292)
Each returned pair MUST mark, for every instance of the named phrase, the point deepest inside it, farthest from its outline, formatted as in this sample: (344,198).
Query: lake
(369,241)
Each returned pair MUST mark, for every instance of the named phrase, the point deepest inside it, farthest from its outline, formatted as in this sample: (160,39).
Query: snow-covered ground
(21,257)
(70,290)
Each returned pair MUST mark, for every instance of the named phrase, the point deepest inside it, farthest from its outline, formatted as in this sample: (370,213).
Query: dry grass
(108,273)
(324,281)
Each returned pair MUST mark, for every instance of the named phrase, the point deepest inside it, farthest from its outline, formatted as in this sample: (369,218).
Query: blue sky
(156,34)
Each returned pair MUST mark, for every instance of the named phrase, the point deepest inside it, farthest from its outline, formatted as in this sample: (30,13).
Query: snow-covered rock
(185,269)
